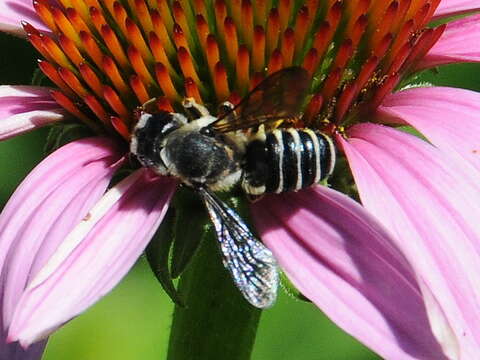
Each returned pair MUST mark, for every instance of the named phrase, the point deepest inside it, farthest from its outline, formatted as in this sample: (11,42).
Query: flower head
(107,59)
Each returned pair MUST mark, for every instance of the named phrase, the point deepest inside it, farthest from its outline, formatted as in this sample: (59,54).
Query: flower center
(109,57)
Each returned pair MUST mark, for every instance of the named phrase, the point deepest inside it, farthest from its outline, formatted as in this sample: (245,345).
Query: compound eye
(207,131)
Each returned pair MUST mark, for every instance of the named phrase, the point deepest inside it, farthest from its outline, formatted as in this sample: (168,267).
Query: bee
(211,154)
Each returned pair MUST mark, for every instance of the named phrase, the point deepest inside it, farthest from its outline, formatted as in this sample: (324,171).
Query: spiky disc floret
(109,57)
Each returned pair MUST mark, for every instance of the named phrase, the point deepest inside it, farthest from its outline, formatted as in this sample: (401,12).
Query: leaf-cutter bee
(212,154)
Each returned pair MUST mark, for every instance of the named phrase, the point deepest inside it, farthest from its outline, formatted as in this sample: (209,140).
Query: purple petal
(14,351)
(12,12)
(23,108)
(44,208)
(432,209)
(448,8)
(339,256)
(94,257)
(460,42)
(448,117)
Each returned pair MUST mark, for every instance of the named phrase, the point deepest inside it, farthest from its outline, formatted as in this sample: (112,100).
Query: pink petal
(38,215)
(339,257)
(12,12)
(460,42)
(452,7)
(23,108)
(15,352)
(46,206)
(94,257)
(448,117)
(432,209)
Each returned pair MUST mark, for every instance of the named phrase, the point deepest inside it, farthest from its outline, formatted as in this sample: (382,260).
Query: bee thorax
(199,159)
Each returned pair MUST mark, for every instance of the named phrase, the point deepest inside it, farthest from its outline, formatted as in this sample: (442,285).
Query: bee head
(149,136)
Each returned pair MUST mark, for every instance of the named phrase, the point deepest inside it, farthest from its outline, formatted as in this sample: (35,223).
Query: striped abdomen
(287,160)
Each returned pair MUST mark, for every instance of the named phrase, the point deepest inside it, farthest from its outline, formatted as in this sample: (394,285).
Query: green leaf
(290,289)
(191,224)
(217,323)
(38,77)
(157,253)
(64,133)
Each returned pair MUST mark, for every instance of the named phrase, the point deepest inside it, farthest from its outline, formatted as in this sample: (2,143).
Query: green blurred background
(132,322)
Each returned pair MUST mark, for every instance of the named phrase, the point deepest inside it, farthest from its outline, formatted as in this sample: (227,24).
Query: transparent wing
(251,264)
(279,96)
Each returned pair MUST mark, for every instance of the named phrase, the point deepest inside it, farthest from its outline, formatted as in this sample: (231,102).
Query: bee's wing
(279,96)
(251,264)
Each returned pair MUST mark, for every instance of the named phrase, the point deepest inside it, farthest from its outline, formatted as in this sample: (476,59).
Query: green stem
(217,323)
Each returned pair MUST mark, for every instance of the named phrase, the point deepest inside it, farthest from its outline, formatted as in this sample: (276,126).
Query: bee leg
(194,109)
(259,134)
(226,105)
(226,108)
